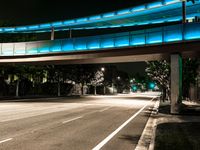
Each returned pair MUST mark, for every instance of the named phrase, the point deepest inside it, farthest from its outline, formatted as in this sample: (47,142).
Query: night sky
(20,12)
(24,12)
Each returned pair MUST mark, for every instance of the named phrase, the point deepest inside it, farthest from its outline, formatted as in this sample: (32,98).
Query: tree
(97,80)
(17,73)
(159,71)
(83,74)
(122,81)
(189,75)
(110,77)
(141,81)
(3,83)
(36,74)
(54,76)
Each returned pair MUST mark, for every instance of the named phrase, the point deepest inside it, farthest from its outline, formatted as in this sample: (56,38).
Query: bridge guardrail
(167,34)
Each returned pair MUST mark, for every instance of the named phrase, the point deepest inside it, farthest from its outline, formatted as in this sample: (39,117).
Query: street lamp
(104,88)
(118,78)
(103,69)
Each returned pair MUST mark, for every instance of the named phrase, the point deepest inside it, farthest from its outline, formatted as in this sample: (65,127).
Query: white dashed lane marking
(70,120)
(6,140)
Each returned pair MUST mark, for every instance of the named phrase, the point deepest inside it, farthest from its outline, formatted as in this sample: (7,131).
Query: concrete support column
(176,82)
(52,33)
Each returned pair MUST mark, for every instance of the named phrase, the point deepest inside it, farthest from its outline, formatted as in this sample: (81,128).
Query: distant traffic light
(134,88)
(152,85)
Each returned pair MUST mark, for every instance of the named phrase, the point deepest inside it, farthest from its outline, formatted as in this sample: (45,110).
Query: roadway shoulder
(147,138)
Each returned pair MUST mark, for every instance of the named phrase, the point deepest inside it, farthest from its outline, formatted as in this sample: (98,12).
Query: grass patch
(178,136)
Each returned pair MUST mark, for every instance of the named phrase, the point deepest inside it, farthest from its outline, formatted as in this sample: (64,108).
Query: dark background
(25,12)
(21,12)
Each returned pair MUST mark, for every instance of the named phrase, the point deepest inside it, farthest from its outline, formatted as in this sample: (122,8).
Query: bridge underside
(129,54)
(172,52)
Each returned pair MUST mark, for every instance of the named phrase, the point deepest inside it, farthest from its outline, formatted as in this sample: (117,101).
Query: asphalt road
(91,122)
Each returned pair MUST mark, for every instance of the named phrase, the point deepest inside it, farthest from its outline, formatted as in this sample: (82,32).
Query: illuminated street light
(132,80)
(118,77)
(102,69)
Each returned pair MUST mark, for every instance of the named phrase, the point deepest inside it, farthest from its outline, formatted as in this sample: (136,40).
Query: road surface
(86,123)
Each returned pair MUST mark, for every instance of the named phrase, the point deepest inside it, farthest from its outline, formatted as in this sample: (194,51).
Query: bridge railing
(67,24)
(161,35)
(150,13)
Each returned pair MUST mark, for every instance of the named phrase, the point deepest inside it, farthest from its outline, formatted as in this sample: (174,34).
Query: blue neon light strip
(106,20)
(175,33)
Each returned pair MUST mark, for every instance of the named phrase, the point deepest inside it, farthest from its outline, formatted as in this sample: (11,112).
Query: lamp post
(104,87)
(118,78)
(131,82)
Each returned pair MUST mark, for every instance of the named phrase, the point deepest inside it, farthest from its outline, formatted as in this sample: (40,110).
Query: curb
(146,141)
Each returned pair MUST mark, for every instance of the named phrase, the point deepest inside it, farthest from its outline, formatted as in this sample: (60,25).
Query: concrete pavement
(74,124)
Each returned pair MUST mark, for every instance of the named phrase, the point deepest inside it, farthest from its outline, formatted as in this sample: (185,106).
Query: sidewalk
(164,129)
(178,131)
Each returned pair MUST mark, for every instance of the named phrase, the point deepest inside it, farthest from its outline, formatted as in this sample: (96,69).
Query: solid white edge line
(72,119)
(6,140)
(145,140)
(108,138)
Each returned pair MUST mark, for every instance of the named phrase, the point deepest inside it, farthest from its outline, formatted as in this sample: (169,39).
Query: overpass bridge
(120,47)
(166,42)
(162,11)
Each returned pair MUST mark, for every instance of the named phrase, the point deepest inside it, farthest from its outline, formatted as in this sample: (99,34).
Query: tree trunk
(95,90)
(17,89)
(58,85)
(163,94)
(168,94)
(104,90)
(193,92)
(82,84)
(58,88)
(112,88)
(186,88)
